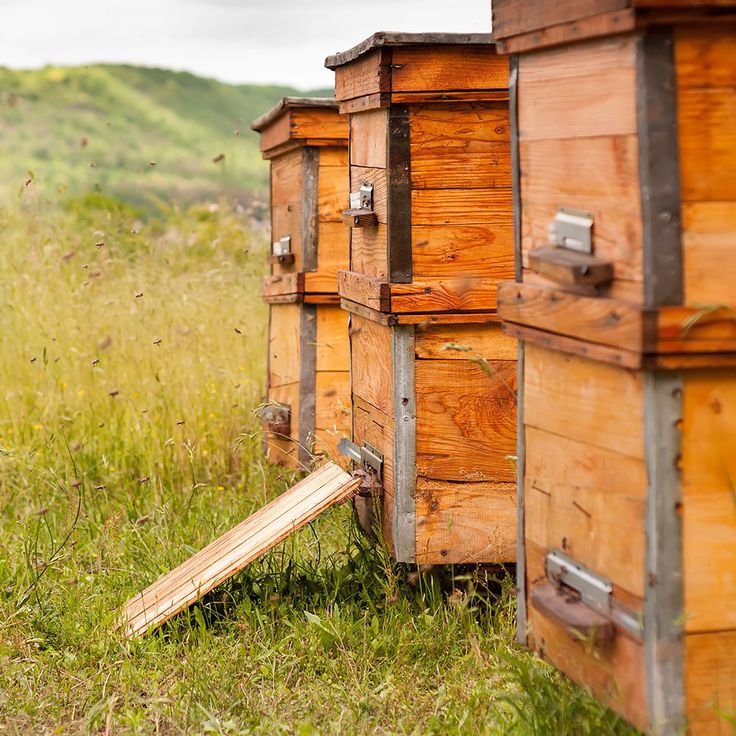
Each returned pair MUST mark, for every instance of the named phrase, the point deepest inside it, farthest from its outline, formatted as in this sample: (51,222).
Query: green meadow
(132,352)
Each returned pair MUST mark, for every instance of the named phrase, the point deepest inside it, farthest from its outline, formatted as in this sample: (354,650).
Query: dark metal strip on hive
(664,633)
(310,204)
(399,195)
(521,612)
(659,168)
(307,381)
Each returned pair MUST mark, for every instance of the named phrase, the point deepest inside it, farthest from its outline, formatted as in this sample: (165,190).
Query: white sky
(267,41)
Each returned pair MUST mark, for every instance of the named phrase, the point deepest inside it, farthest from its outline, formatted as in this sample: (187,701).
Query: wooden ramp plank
(231,552)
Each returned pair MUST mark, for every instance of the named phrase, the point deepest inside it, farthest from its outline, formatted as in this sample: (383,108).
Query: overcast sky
(280,41)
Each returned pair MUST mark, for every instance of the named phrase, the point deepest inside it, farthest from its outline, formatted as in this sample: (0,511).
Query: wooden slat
(229,554)
(460,523)
(332,193)
(283,288)
(460,206)
(466,420)
(371,367)
(318,123)
(333,248)
(333,343)
(283,344)
(462,341)
(369,251)
(463,293)
(332,401)
(366,76)
(368,137)
(371,292)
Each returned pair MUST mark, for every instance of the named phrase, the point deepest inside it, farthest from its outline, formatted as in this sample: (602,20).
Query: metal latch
(595,591)
(366,456)
(572,229)
(361,212)
(277,418)
(282,247)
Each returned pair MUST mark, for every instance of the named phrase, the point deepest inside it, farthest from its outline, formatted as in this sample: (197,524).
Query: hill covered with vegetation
(135,134)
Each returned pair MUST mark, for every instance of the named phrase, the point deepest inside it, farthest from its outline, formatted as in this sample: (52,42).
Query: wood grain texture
(333,341)
(710,683)
(372,373)
(360,175)
(332,193)
(709,499)
(370,292)
(333,249)
(464,293)
(369,251)
(283,288)
(461,206)
(318,123)
(463,250)
(571,92)
(366,76)
(458,342)
(614,671)
(332,401)
(368,137)
(283,344)
(437,68)
(466,420)
(587,401)
(459,523)
(588,502)
(231,552)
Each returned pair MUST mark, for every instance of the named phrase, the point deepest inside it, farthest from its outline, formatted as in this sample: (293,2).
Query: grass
(131,359)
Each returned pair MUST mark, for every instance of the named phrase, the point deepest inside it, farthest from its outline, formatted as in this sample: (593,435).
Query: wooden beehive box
(624,120)
(433,377)
(429,133)
(308,386)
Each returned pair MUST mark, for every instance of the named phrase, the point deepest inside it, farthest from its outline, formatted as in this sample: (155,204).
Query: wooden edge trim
(659,167)
(374,293)
(366,312)
(486,95)
(664,628)
(399,195)
(319,298)
(287,103)
(283,288)
(605,24)
(310,206)
(601,353)
(403,523)
(307,383)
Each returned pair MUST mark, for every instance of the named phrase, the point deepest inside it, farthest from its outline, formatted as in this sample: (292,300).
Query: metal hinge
(595,591)
(572,229)
(366,456)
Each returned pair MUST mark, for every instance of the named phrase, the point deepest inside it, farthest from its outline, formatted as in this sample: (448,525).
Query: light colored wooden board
(709,499)
(286,219)
(486,341)
(463,250)
(365,290)
(588,502)
(333,247)
(466,420)
(320,287)
(318,123)
(363,77)
(368,139)
(286,178)
(584,400)
(372,372)
(613,671)
(460,523)
(434,68)
(277,133)
(597,175)
(332,401)
(360,175)
(334,156)
(283,344)
(333,342)
(462,293)
(461,206)
(709,252)
(229,554)
(581,90)
(710,683)
(332,193)
(369,250)
(281,450)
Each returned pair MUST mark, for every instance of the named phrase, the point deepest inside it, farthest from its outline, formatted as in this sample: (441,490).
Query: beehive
(625,141)
(308,384)
(433,377)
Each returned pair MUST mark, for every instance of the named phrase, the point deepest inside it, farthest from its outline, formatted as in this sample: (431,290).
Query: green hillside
(133,133)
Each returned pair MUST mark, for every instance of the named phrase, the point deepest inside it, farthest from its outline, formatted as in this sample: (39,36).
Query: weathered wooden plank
(334,156)
(333,250)
(366,76)
(277,133)
(599,320)
(589,502)
(570,268)
(318,123)
(333,342)
(286,173)
(448,68)
(332,401)
(332,191)
(710,682)
(229,554)
(461,206)
(709,499)
(705,56)
(584,400)
(371,292)
(368,138)
(463,250)
(286,219)
(466,420)
(372,373)
(459,342)
(307,389)
(369,251)
(283,288)
(614,671)
(570,92)
(283,345)
(464,293)
(459,523)
(360,175)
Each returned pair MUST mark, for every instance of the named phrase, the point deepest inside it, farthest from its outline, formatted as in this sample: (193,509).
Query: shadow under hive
(308,386)
(625,193)
(430,219)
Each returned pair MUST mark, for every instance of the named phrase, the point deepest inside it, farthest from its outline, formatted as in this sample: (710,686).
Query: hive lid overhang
(289,103)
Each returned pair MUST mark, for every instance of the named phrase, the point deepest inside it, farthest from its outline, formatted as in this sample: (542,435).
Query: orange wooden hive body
(624,119)
(308,399)
(430,218)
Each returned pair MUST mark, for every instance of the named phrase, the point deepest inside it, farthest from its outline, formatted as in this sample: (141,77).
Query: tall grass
(131,359)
